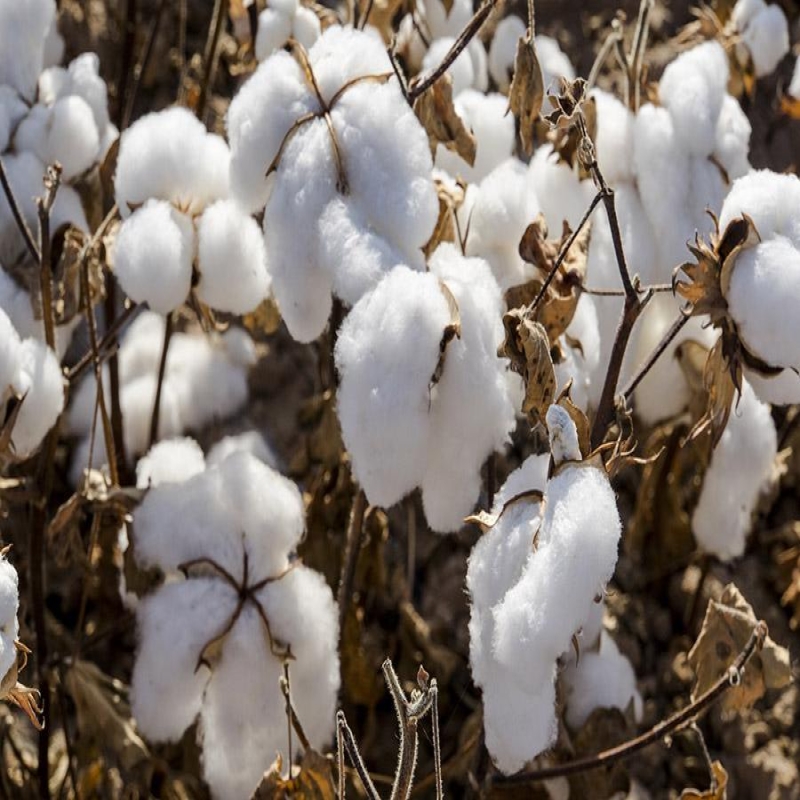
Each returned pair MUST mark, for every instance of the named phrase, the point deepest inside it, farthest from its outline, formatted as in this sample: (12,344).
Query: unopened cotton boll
(41,382)
(485,115)
(9,606)
(764,33)
(604,679)
(170,461)
(169,155)
(231,258)
(350,239)
(153,255)
(741,468)
(23,29)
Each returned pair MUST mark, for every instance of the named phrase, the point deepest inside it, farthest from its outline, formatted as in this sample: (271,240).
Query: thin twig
(162,370)
(531,19)
(679,720)
(44,206)
(411,544)
(355,531)
(602,56)
(117,424)
(210,55)
(126,62)
(19,218)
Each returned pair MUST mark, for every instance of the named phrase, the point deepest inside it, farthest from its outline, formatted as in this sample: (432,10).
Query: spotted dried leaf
(312,779)
(727,627)
(718,789)
(526,94)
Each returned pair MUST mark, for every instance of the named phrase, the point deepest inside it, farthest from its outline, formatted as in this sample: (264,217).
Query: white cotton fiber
(249,441)
(169,155)
(23,28)
(231,258)
(582,356)
(9,606)
(436,22)
(733,139)
(9,357)
(614,138)
(742,466)
(794,86)
(554,63)
(604,679)
(349,240)
(561,194)
(493,128)
(465,71)
(764,33)
(281,21)
(153,256)
(170,461)
(503,50)
(12,110)
(41,382)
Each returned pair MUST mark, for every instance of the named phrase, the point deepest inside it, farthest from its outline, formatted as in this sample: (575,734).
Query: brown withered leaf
(566,140)
(580,419)
(436,112)
(451,331)
(265,319)
(722,378)
(568,103)
(312,779)
(718,789)
(487,520)
(727,627)
(526,94)
(451,197)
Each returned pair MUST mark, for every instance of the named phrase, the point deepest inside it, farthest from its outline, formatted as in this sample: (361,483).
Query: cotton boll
(9,357)
(42,384)
(733,138)
(614,139)
(461,70)
(766,37)
(386,354)
(561,194)
(174,625)
(231,258)
(692,89)
(170,461)
(274,30)
(12,110)
(503,50)
(65,132)
(554,63)
(764,289)
(493,129)
(600,680)
(169,155)
(84,72)
(564,444)
(23,28)
(137,399)
(153,256)
(501,210)
(742,466)
(249,442)
(782,389)
(9,606)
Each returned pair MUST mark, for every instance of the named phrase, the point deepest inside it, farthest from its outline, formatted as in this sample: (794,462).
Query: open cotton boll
(169,155)
(561,194)
(554,63)
(12,110)
(614,138)
(65,132)
(472,394)
(23,28)
(764,33)
(604,679)
(493,128)
(733,139)
(249,441)
(41,382)
(500,210)
(741,468)
(436,21)
(231,259)
(503,50)
(692,89)
(9,606)
(170,461)
(350,240)
(9,357)
(282,21)
(153,255)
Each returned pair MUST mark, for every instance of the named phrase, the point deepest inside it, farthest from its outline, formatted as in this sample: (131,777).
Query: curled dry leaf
(12,691)
(451,331)
(451,198)
(568,103)
(486,520)
(578,416)
(526,94)
(566,139)
(727,627)
(527,346)
(312,779)
(436,112)
(718,789)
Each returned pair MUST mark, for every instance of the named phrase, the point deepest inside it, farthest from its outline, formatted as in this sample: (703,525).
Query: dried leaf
(568,103)
(436,112)
(721,379)
(717,791)
(312,779)
(451,197)
(451,331)
(578,417)
(526,95)
(486,520)
(266,319)
(727,627)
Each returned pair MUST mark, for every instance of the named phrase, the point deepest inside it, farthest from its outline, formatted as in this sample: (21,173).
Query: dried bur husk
(526,94)
(311,779)
(265,319)
(728,625)
(436,112)
(532,334)
(12,691)
(703,284)
(451,198)
(563,131)
(718,789)
(787,579)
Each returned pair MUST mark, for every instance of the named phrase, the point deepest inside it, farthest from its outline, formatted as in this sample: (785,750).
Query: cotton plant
(763,34)
(31,375)
(283,20)
(554,62)
(550,549)
(181,230)
(326,144)
(421,350)
(205,379)
(235,606)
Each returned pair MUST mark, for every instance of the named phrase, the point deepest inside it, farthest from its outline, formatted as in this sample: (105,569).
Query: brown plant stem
(44,205)
(17,214)
(162,369)
(422,83)
(355,533)
(117,426)
(126,62)
(210,55)
(679,720)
